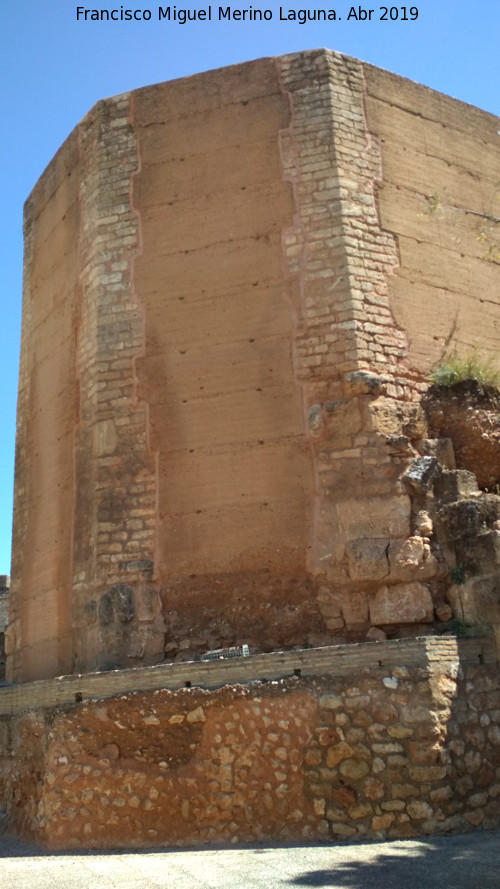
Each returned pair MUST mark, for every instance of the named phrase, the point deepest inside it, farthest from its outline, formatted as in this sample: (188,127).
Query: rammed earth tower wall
(223,355)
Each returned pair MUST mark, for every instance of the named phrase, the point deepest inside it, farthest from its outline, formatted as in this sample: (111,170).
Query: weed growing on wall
(433,203)
(487,233)
(457,368)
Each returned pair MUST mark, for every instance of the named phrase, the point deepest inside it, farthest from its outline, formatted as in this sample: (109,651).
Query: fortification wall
(233,267)
(47,414)
(357,746)
(439,196)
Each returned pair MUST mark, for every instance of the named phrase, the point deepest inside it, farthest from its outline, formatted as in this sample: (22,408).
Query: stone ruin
(249,275)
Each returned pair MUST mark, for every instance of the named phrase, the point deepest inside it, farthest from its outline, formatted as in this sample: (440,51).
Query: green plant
(456,369)
(492,253)
(433,203)
(461,629)
(487,234)
(457,575)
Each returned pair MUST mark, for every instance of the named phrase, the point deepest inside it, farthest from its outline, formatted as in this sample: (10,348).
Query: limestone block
(354,769)
(418,810)
(367,558)
(335,421)
(444,612)
(375,517)
(12,638)
(355,609)
(441,448)
(105,438)
(485,595)
(375,634)
(391,417)
(330,610)
(424,524)
(336,754)
(412,557)
(147,603)
(405,603)
(90,613)
(116,604)
(4,611)
(362,382)
(343,419)
(480,554)
(470,517)
(382,822)
(330,702)
(400,446)
(461,599)
(196,715)
(316,420)
(334,623)
(457,485)
(409,553)
(422,474)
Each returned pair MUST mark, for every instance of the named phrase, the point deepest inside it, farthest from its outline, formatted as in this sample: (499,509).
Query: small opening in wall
(187,684)
(78,697)
(480,657)
(297,671)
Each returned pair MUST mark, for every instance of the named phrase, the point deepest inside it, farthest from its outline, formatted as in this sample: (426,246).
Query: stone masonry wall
(4,614)
(115,471)
(374,751)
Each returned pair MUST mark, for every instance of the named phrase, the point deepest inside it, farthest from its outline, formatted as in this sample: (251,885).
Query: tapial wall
(210,263)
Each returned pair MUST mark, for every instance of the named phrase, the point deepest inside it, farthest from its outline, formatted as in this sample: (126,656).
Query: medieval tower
(235,287)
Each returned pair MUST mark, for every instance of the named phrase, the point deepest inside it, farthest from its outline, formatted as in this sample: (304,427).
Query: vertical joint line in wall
(298,313)
(373,149)
(135,254)
(156,538)
(81,283)
(78,379)
(367,179)
(298,223)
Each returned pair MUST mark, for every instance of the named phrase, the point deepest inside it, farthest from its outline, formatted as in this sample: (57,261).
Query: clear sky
(53,68)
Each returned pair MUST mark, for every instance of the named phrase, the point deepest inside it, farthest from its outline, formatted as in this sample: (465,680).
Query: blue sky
(53,68)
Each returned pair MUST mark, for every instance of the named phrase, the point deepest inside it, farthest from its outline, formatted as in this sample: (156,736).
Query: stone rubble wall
(377,751)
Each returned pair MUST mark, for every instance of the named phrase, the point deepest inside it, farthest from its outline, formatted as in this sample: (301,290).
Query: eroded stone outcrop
(469,414)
